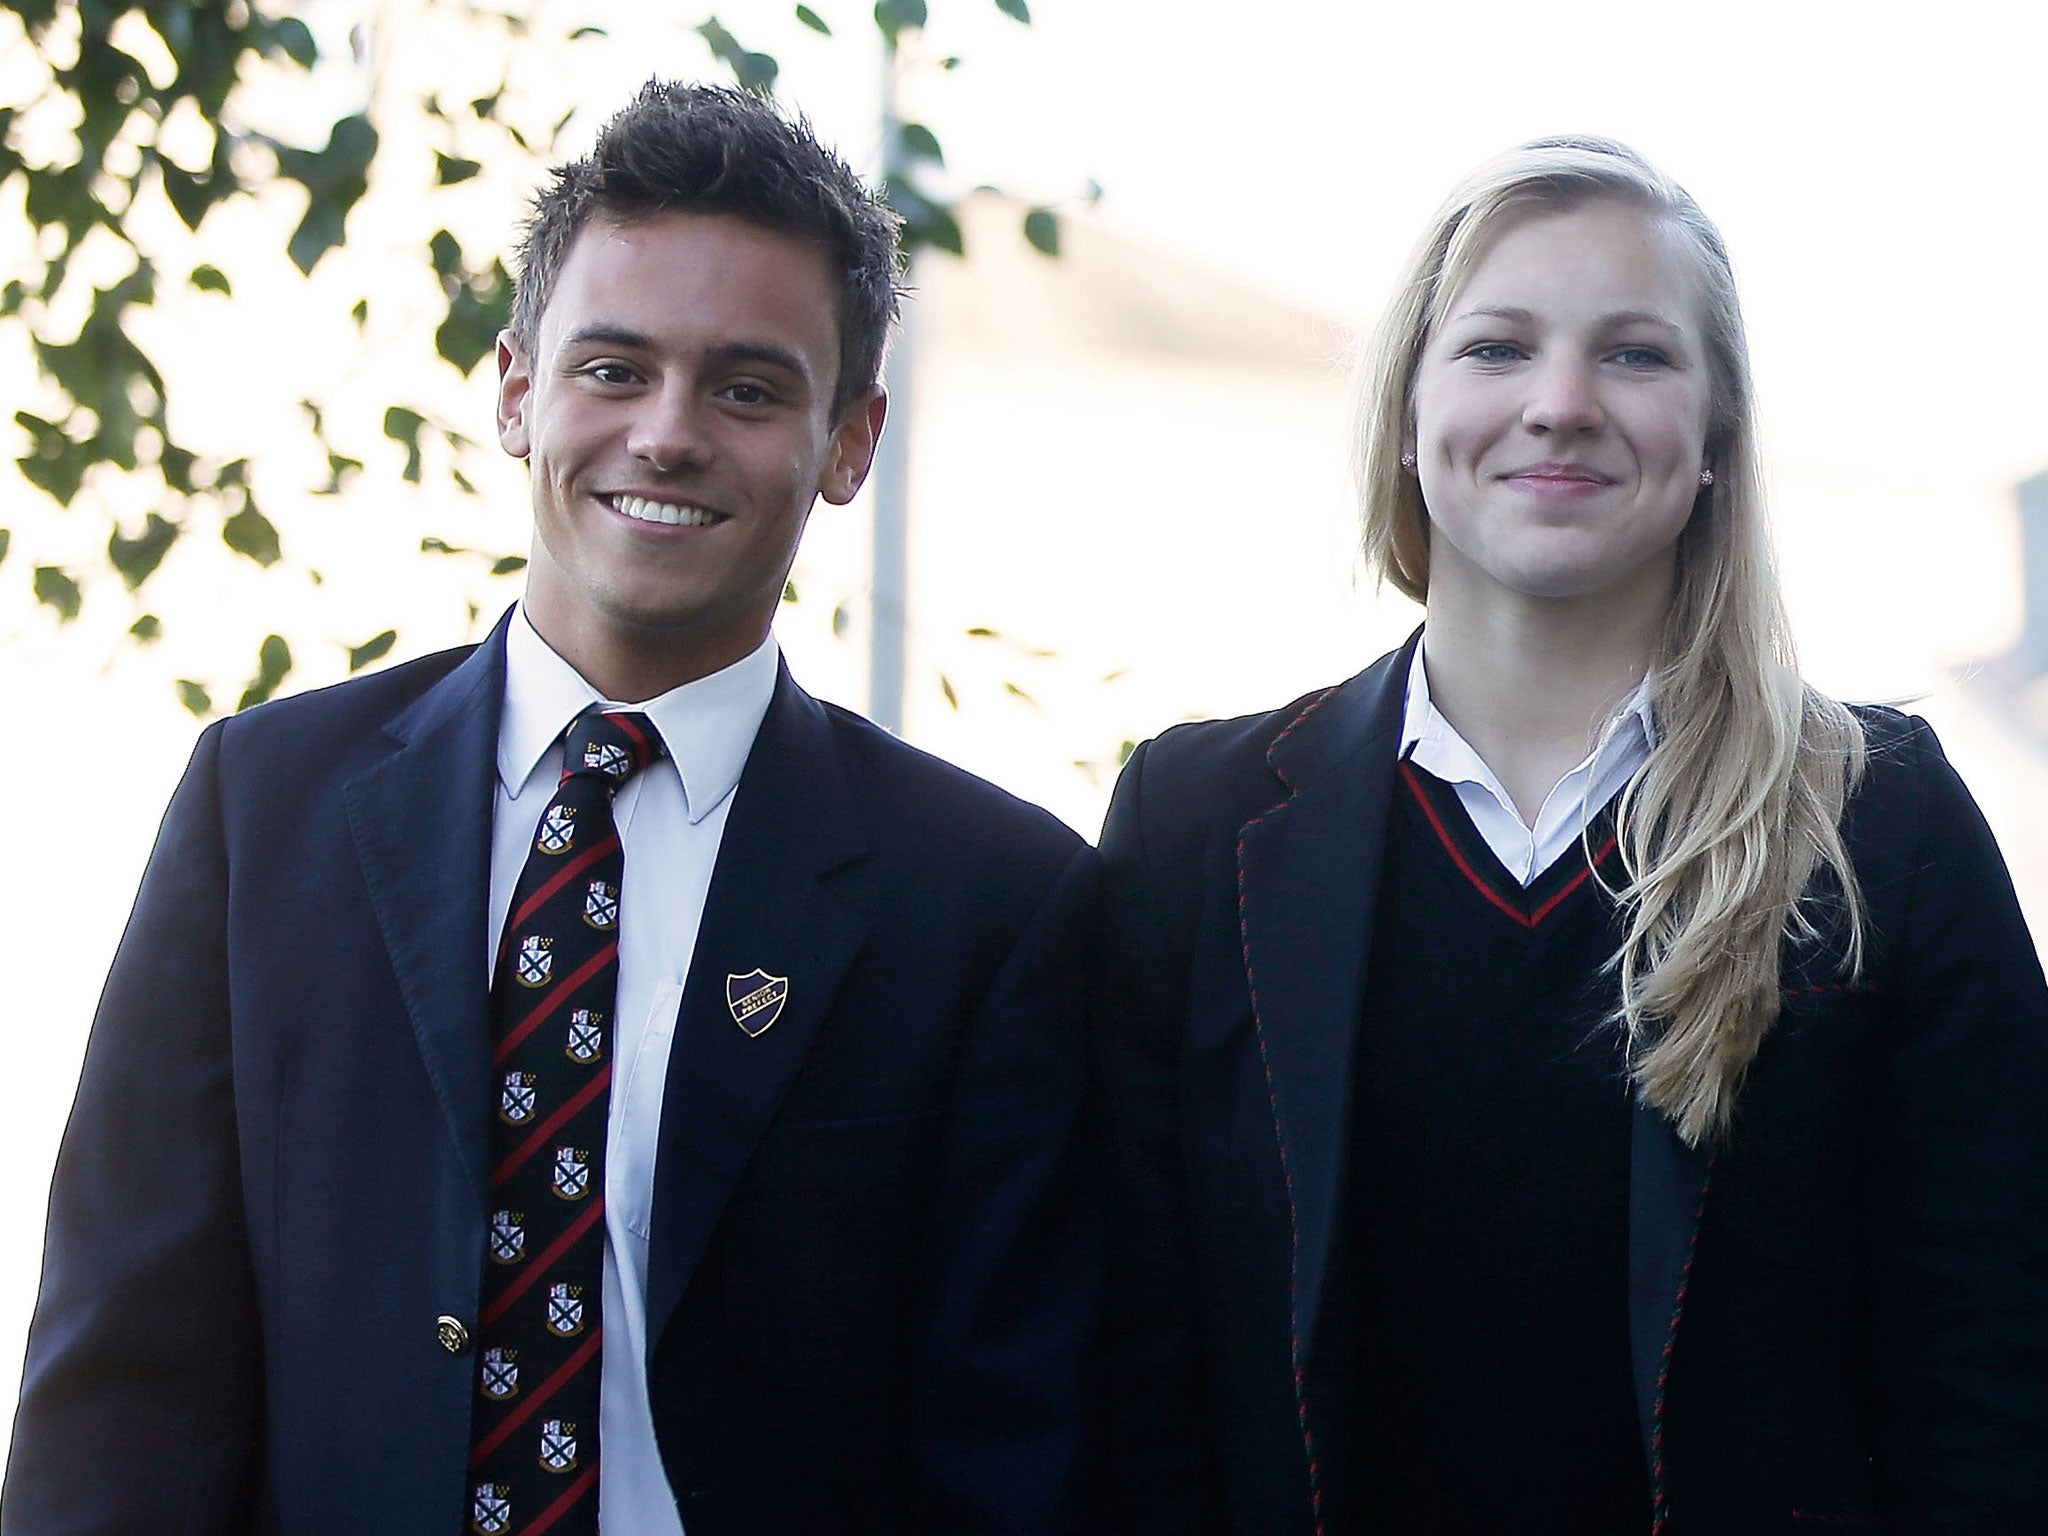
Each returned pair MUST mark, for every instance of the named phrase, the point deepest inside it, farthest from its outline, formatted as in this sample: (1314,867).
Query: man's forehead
(727,280)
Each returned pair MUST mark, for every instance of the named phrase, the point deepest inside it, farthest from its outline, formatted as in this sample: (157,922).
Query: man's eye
(749,394)
(611,373)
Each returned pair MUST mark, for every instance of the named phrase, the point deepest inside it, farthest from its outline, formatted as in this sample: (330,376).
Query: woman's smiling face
(1560,411)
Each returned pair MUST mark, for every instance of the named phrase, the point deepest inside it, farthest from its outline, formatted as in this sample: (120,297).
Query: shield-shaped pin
(572,1172)
(756,1000)
(500,1378)
(601,906)
(535,961)
(508,1236)
(558,1445)
(586,1035)
(516,1105)
(557,829)
(490,1512)
(565,1310)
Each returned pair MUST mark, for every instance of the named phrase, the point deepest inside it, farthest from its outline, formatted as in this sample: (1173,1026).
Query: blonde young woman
(1572,1078)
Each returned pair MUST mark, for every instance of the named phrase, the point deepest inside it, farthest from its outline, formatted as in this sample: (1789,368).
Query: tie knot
(613,746)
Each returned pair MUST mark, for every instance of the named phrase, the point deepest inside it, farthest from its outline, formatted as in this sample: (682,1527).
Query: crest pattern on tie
(533,1439)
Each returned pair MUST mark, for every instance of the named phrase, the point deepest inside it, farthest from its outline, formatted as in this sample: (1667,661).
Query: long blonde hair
(1730,834)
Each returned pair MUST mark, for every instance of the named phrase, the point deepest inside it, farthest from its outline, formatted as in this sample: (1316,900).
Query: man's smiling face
(676,417)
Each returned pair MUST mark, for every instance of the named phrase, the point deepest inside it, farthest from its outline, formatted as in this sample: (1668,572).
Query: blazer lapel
(1308,877)
(422,825)
(768,910)
(1667,1197)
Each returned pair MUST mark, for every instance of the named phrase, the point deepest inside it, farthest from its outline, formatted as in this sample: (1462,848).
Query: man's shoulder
(322,723)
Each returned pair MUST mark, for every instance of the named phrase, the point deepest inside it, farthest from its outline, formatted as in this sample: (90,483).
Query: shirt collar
(1631,732)
(708,726)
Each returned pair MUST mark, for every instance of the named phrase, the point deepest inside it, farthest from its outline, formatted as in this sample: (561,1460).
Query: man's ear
(515,387)
(853,447)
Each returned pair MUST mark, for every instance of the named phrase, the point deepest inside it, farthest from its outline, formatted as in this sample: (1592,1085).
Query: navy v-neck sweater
(1491,1146)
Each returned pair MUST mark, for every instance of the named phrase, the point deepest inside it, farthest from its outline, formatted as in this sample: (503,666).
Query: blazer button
(453,1336)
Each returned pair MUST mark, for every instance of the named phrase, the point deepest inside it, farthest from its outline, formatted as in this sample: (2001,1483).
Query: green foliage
(1042,229)
(58,590)
(195,697)
(273,665)
(137,558)
(376,648)
(753,71)
(813,20)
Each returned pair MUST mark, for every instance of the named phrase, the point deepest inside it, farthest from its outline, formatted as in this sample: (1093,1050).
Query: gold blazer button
(453,1336)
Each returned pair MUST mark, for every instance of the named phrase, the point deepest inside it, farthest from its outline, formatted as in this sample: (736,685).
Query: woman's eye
(1641,357)
(1494,352)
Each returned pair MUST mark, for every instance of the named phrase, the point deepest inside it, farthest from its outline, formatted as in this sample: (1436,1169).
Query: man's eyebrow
(768,353)
(608,336)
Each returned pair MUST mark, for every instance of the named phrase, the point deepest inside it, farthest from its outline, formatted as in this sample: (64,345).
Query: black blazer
(872,1271)
(1837,1321)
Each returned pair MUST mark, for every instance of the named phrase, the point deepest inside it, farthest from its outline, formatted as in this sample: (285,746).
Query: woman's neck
(1531,683)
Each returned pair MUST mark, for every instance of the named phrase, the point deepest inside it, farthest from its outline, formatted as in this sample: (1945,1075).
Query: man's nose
(668,430)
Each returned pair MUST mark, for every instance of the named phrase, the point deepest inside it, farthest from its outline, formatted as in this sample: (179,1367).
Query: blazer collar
(422,824)
(796,819)
(1308,875)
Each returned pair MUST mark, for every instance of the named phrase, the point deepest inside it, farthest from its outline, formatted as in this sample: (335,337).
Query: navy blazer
(1838,1320)
(872,1272)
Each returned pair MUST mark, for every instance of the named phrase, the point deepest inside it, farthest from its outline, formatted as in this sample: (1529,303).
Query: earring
(1408,461)
(1706,477)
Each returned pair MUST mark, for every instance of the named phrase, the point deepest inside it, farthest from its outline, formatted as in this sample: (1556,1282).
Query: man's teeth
(661,511)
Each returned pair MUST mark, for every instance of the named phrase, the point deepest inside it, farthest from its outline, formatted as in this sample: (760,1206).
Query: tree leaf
(376,648)
(147,629)
(433,546)
(194,697)
(981,632)
(1042,229)
(451,169)
(789,591)
(294,39)
(57,590)
(402,425)
(210,279)
(1016,10)
(920,143)
(252,534)
(137,558)
(946,687)
(6,538)
(273,665)
(1018,693)
(505,565)
(813,20)
(840,619)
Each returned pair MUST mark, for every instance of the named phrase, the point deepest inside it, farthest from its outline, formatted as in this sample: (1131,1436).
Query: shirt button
(453,1336)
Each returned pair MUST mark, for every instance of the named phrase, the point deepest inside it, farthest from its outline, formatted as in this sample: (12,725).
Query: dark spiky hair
(704,149)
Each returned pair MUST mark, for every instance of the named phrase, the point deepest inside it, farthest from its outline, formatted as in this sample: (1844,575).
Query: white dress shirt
(671,817)
(1433,744)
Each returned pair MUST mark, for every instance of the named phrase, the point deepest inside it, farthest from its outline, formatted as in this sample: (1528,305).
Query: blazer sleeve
(1956,1186)
(1158,1475)
(140,1392)
(1010,1274)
